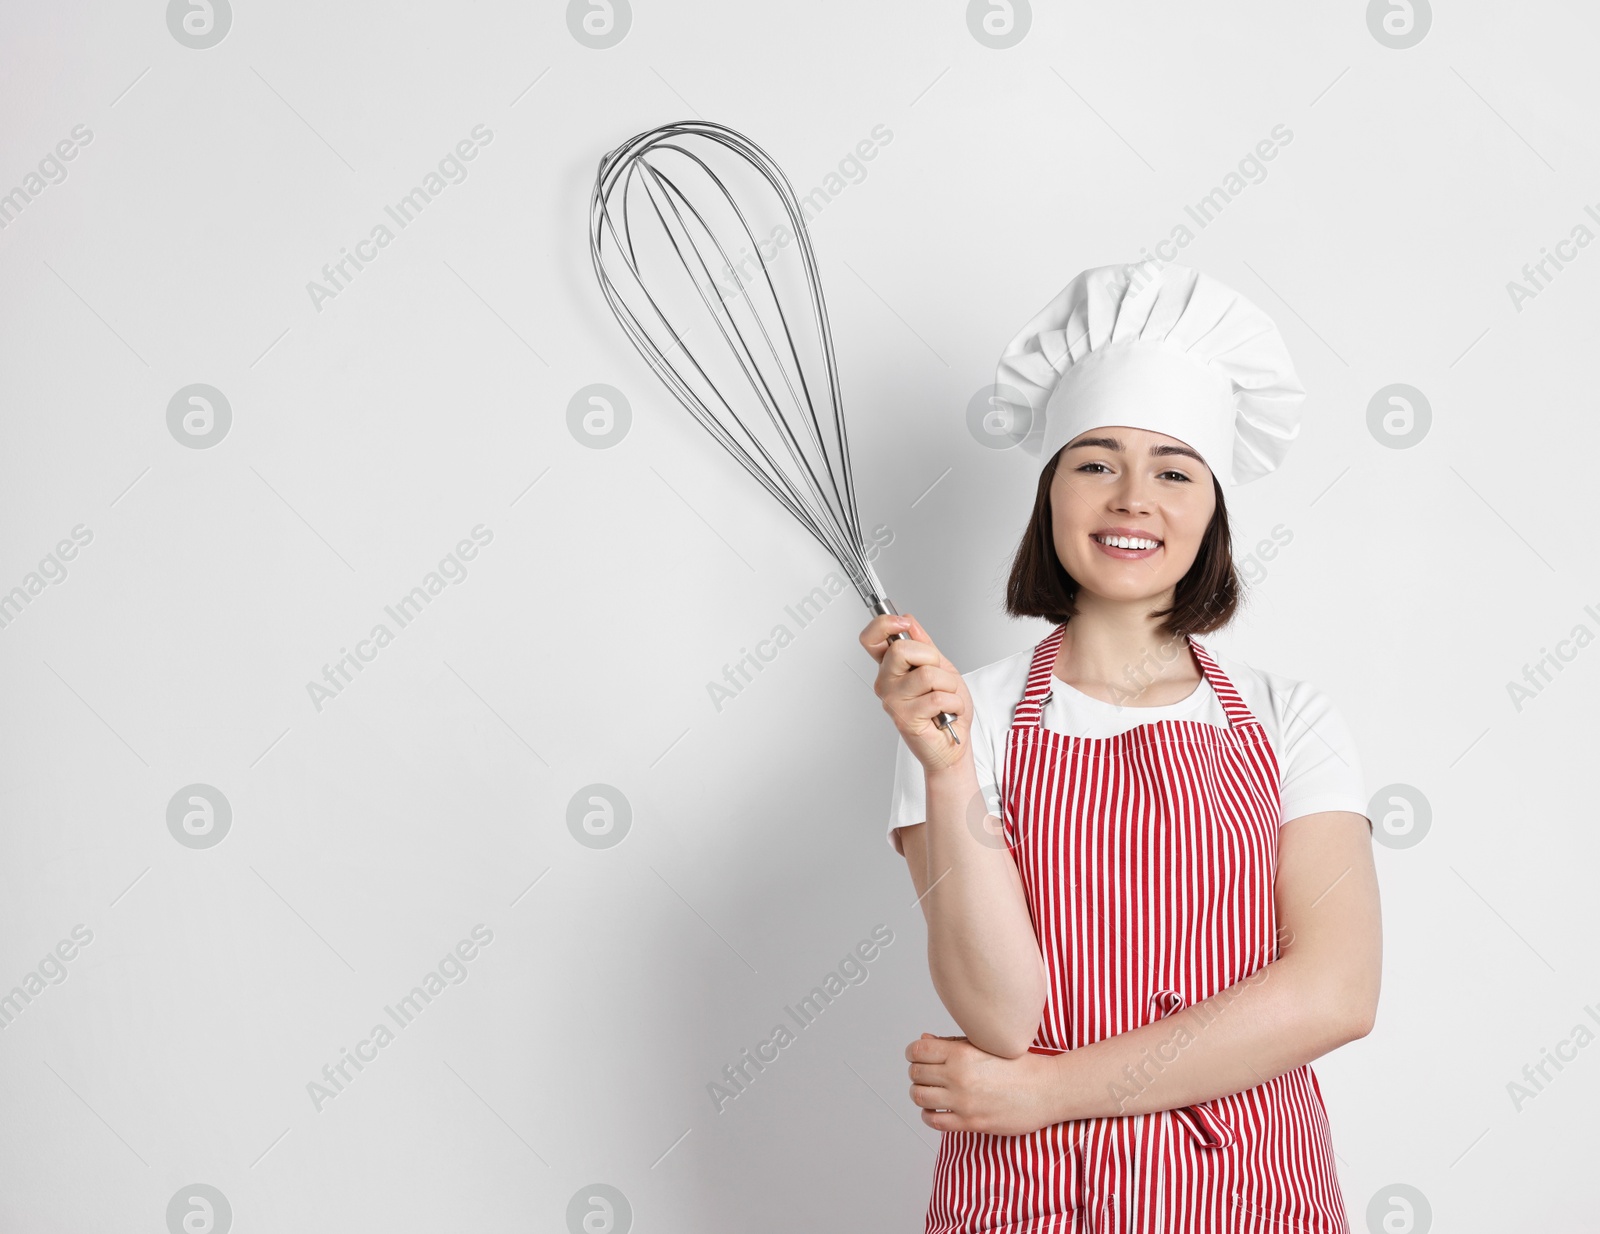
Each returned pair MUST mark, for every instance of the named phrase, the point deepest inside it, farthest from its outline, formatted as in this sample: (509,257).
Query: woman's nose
(1131,495)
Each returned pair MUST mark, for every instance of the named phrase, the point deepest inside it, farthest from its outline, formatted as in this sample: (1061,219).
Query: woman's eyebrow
(1111,443)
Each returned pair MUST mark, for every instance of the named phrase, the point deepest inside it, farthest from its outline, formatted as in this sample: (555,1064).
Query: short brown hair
(1205,599)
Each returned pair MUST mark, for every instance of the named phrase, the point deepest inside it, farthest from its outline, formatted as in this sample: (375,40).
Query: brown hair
(1205,599)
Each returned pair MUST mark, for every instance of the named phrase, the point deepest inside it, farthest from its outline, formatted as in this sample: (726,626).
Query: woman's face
(1129,482)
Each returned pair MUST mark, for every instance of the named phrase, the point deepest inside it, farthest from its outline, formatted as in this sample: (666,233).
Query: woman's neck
(1117,653)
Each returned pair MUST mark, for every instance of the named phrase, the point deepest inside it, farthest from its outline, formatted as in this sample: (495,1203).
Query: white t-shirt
(1315,752)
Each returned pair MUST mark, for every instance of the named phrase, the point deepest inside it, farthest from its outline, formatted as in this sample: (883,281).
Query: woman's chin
(1125,590)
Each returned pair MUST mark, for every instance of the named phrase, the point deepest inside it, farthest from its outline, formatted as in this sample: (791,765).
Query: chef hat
(1158,347)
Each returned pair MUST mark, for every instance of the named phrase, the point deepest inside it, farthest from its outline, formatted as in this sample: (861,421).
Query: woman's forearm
(1278,1018)
(983,954)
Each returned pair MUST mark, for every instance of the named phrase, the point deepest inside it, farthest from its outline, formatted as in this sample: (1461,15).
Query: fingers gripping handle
(945,720)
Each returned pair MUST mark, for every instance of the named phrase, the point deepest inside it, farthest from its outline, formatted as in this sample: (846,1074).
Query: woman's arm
(983,954)
(1321,992)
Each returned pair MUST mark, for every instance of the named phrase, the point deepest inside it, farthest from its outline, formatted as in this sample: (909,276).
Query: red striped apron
(1148,861)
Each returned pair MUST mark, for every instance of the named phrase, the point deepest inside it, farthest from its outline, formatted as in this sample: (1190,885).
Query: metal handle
(944,719)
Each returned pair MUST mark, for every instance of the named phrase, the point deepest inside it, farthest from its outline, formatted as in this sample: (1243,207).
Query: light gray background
(430,396)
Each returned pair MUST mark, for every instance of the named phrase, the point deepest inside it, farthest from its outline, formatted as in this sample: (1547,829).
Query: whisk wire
(841,505)
(824,500)
(681,388)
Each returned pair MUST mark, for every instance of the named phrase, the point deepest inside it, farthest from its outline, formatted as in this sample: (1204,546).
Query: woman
(1145,869)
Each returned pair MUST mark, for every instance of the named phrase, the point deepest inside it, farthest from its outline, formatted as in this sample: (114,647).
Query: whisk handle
(944,719)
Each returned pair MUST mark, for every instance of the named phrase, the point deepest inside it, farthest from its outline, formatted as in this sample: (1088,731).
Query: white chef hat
(1160,347)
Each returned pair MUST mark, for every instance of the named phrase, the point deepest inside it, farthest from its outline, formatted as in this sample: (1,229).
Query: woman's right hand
(915,683)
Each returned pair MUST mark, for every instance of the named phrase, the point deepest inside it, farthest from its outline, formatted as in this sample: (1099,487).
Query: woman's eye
(1086,466)
(1177,475)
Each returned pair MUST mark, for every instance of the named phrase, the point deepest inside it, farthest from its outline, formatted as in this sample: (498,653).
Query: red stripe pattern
(1148,862)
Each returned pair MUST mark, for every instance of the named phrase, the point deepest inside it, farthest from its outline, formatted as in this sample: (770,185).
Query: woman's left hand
(979,1091)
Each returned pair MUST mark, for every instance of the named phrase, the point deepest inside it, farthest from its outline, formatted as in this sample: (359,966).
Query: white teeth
(1133,542)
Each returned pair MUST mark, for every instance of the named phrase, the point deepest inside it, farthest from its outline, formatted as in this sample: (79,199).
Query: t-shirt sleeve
(1322,768)
(909,803)
(908,806)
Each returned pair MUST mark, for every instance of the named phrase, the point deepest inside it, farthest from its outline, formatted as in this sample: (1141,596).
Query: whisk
(673,233)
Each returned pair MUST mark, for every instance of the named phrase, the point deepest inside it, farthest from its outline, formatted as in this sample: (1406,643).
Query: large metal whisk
(673,233)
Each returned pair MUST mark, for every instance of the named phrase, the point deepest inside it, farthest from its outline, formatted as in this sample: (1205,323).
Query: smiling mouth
(1128,543)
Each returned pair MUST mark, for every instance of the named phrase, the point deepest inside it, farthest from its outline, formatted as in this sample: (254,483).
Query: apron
(1147,860)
